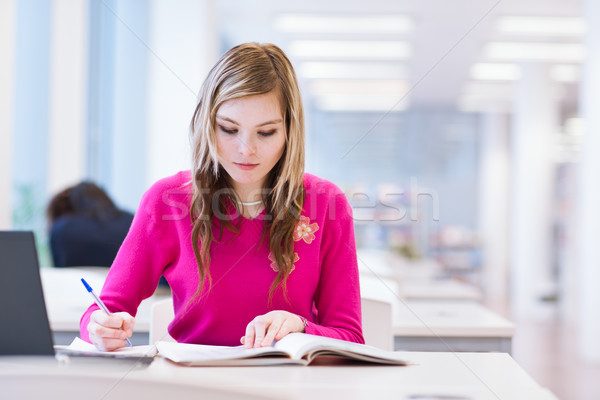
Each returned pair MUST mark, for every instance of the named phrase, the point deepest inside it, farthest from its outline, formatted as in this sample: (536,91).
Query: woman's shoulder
(168,191)
(316,185)
(180,180)
(321,194)
(178,183)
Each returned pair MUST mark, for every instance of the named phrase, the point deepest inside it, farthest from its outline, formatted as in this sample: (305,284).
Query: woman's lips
(246,167)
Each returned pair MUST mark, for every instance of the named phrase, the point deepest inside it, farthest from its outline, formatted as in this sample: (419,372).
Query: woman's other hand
(274,325)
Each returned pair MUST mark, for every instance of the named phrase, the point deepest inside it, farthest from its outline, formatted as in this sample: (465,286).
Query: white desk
(66,301)
(449,326)
(439,289)
(473,376)
(439,325)
(418,280)
(389,265)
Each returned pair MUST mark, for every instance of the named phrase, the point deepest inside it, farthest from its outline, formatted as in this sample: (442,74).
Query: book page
(297,345)
(302,345)
(197,354)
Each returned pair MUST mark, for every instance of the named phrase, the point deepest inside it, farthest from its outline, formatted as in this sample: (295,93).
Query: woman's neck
(251,212)
(249,195)
(250,200)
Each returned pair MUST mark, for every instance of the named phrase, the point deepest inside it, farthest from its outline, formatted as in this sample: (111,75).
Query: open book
(295,348)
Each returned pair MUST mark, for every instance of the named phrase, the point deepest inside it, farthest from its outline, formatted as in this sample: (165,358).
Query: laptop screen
(25,328)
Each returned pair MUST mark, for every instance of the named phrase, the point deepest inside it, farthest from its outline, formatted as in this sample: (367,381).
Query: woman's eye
(269,133)
(229,131)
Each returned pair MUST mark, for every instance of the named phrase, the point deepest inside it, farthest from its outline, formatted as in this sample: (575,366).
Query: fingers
(248,340)
(264,329)
(109,332)
(107,344)
(273,330)
(106,338)
(261,324)
(109,321)
(128,322)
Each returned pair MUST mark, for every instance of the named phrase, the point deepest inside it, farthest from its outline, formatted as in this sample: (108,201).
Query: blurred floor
(546,349)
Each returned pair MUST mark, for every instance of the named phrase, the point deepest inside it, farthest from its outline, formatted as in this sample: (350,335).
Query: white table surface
(418,280)
(439,289)
(439,325)
(473,376)
(448,318)
(450,326)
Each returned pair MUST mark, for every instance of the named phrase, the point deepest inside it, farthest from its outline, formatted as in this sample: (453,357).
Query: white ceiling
(449,36)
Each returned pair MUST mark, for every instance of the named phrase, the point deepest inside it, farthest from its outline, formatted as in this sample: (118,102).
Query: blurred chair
(377,323)
(376,317)
(161,315)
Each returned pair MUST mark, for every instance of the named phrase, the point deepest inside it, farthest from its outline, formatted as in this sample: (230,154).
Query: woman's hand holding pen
(274,325)
(108,332)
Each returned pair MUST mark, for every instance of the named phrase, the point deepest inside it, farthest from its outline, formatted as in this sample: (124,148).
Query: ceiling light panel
(488,90)
(352,70)
(304,23)
(379,103)
(359,87)
(350,49)
(565,73)
(495,71)
(542,26)
(469,103)
(565,52)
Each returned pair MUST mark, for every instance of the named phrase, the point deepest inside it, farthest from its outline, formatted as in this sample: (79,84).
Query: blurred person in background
(86,227)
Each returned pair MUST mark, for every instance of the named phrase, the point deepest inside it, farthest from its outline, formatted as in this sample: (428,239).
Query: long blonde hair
(246,70)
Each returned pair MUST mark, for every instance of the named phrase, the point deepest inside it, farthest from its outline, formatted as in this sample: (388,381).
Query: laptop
(25,329)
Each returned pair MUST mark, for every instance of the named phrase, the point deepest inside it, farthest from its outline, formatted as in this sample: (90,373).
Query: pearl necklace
(251,203)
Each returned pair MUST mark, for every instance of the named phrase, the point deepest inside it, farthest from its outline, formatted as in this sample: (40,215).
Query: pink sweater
(323,287)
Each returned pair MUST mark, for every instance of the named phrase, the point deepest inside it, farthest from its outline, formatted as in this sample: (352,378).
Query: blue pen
(99,302)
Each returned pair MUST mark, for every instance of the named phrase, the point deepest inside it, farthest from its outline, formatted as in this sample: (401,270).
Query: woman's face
(250,140)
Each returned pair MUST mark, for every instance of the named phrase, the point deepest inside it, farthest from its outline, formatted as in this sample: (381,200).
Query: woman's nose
(246,145)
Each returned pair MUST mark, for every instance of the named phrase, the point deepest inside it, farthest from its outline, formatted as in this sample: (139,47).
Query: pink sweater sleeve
(337,298)
(139,263)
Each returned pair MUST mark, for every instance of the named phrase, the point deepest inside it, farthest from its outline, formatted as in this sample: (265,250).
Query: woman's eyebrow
(274,121)
(227,119)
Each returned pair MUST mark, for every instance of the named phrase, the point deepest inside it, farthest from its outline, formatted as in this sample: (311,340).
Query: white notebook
(82,348)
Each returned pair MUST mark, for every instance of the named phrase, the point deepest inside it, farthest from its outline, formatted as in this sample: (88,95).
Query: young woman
(252,247)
